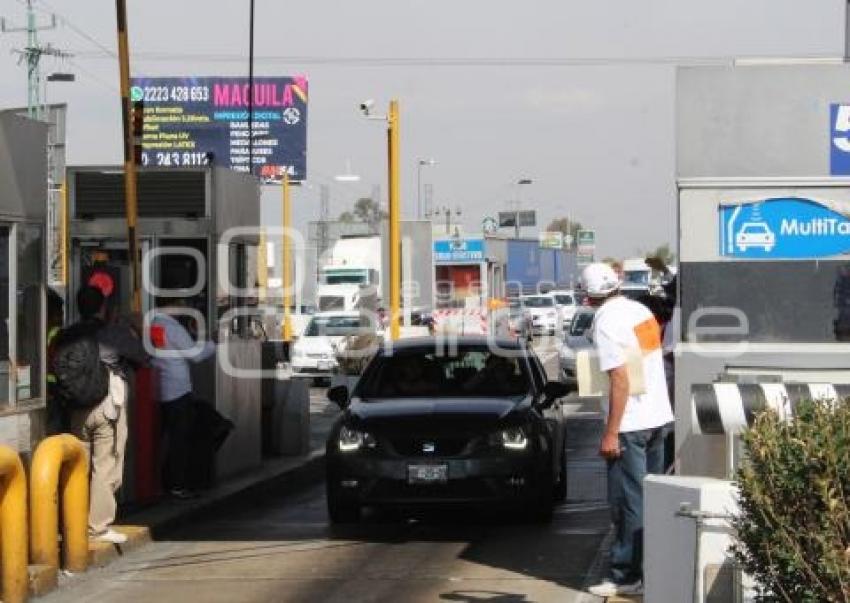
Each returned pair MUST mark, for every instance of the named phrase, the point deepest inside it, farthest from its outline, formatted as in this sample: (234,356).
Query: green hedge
(794,524)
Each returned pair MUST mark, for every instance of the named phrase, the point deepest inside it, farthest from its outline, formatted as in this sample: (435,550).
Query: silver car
(575,339)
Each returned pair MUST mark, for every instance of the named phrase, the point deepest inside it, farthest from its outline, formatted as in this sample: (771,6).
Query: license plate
(427,474)
(323,365)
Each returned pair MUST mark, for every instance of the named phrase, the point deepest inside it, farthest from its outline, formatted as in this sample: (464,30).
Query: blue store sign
(785,228)
(839,139)
(454,251)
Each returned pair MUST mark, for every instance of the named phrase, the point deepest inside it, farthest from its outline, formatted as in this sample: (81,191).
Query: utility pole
(31,54)
(130,188)
(286,269)
(394,218)
(251,90)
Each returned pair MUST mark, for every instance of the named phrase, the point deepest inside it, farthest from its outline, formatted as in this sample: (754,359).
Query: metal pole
(394,218)
(33,60)
(130,189)
(419,190)
(251,91)
(287,259)
(63,236)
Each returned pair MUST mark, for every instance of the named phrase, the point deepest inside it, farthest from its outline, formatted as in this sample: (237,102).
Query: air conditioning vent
(161,194)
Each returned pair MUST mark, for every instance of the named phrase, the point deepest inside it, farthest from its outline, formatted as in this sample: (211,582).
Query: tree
(665,254)
(794,500)
(567,227)
(365,210)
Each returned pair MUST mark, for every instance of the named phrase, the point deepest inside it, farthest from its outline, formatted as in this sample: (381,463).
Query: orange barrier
(60,471)
(13,526)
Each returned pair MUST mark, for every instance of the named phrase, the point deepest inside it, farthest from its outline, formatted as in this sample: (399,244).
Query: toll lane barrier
(729,408)
(456,321)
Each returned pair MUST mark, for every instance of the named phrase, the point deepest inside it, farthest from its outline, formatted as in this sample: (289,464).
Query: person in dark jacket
(103,428)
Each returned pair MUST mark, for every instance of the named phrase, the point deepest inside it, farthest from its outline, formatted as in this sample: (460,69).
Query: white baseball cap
(600,280)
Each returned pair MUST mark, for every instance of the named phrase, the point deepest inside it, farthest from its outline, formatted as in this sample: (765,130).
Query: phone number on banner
(174,159)
(179,94)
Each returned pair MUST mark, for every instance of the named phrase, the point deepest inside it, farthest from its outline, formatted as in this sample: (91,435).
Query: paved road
(282,548)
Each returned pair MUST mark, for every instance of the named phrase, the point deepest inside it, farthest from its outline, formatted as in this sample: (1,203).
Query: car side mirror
(557,389)
(339,395)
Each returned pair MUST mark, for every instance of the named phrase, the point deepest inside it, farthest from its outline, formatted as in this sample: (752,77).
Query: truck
(638,278)
(350,275)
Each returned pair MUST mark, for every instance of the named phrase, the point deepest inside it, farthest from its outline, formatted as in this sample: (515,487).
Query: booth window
(802,301)
(30,337)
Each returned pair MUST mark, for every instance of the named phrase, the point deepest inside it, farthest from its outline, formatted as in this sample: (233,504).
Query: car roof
(410,343)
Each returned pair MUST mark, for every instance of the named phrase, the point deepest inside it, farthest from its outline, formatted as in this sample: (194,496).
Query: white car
(567,303)
(755,234)
(314,353)
(543,312)
(575,339)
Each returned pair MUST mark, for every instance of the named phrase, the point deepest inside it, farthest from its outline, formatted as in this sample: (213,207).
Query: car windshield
(336,326)
(581,323)
(422,373)
(538,302)
(565,300)
(755,228)
(638,277)
(346,277)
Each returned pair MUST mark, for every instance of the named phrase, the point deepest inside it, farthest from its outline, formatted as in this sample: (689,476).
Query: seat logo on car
(429,447)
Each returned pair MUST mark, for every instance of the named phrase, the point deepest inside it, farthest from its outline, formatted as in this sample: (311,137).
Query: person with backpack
(91,364)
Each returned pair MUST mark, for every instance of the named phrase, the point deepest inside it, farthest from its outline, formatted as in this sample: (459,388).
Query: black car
(461,424)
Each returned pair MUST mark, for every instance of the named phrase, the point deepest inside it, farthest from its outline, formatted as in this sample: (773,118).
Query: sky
(579,97)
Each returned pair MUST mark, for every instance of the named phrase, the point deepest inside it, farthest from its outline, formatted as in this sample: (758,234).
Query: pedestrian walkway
(169,511)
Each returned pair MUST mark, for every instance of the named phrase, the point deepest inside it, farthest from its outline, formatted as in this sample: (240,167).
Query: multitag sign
(785,228)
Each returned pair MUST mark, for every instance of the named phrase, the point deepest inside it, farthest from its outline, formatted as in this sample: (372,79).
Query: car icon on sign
(755,234)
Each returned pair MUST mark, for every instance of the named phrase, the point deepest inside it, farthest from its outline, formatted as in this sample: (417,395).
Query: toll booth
(23,211)
(198,238)
(763,160)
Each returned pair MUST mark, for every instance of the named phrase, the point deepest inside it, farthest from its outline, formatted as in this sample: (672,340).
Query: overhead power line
(446,61)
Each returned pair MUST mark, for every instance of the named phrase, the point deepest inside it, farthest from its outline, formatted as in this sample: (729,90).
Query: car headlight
(351,440)
(514,438)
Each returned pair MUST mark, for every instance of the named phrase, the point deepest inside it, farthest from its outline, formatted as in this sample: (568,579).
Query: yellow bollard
(60,469)
(13,526)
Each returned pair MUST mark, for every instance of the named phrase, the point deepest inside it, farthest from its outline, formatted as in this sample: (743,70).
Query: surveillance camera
(367,105)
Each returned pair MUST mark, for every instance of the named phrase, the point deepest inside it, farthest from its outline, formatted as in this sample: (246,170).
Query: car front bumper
(384,482)
(313,367)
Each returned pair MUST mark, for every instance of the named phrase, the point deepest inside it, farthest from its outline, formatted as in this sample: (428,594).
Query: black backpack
(82,380)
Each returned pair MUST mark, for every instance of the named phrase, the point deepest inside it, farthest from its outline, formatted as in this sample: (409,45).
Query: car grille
(443,446)
(318,355)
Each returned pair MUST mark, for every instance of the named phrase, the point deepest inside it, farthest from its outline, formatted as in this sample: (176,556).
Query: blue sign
(191,121)
(456,251)
(839,139)
(785,228)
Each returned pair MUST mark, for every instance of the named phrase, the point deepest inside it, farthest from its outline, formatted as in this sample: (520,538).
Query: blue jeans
(643,453)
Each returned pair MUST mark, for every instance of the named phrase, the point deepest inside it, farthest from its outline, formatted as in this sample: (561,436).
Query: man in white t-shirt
(635,424)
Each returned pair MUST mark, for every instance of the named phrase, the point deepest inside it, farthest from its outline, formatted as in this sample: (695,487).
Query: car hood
(312,345)
(443,415)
